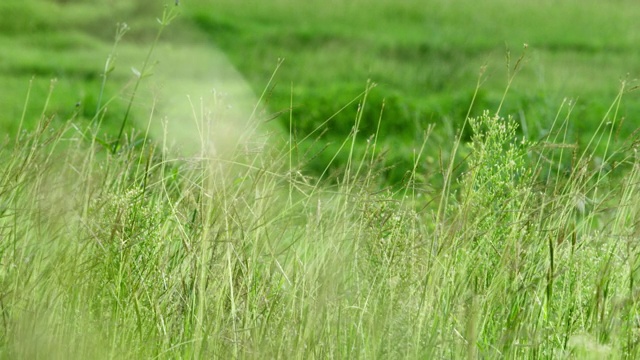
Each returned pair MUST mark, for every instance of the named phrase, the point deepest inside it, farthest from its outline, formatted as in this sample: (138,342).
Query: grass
(425,58)
(210,237)
(146,253)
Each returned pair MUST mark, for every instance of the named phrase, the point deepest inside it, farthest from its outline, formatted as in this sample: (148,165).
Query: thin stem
(167,17)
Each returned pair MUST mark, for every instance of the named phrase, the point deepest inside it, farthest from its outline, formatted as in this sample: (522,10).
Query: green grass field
(411,181)
(424,56)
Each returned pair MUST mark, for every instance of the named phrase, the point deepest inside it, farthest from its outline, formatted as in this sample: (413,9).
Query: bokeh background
(424,55)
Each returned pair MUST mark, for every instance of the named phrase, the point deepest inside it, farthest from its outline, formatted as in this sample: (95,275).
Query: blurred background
(424,55)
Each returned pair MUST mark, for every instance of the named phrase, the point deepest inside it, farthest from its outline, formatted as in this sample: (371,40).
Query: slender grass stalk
(168,15)
(109,66)
(511,75)
(354,134)
(24,112)
(448,174)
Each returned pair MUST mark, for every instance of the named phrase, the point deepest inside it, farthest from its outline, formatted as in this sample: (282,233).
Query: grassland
(208,230)
(425,58)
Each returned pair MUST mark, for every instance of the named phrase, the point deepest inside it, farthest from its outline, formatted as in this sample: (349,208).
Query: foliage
(220,243)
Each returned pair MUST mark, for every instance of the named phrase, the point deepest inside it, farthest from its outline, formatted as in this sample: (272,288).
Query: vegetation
(424,57)
(126,235)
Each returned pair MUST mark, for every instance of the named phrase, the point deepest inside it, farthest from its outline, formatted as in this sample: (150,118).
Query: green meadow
(321,179)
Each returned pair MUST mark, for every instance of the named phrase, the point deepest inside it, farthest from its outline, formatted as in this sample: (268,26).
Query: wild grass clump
(138,254)
(131,249)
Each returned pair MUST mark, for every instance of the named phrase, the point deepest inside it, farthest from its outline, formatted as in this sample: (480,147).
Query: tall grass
(139,253)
